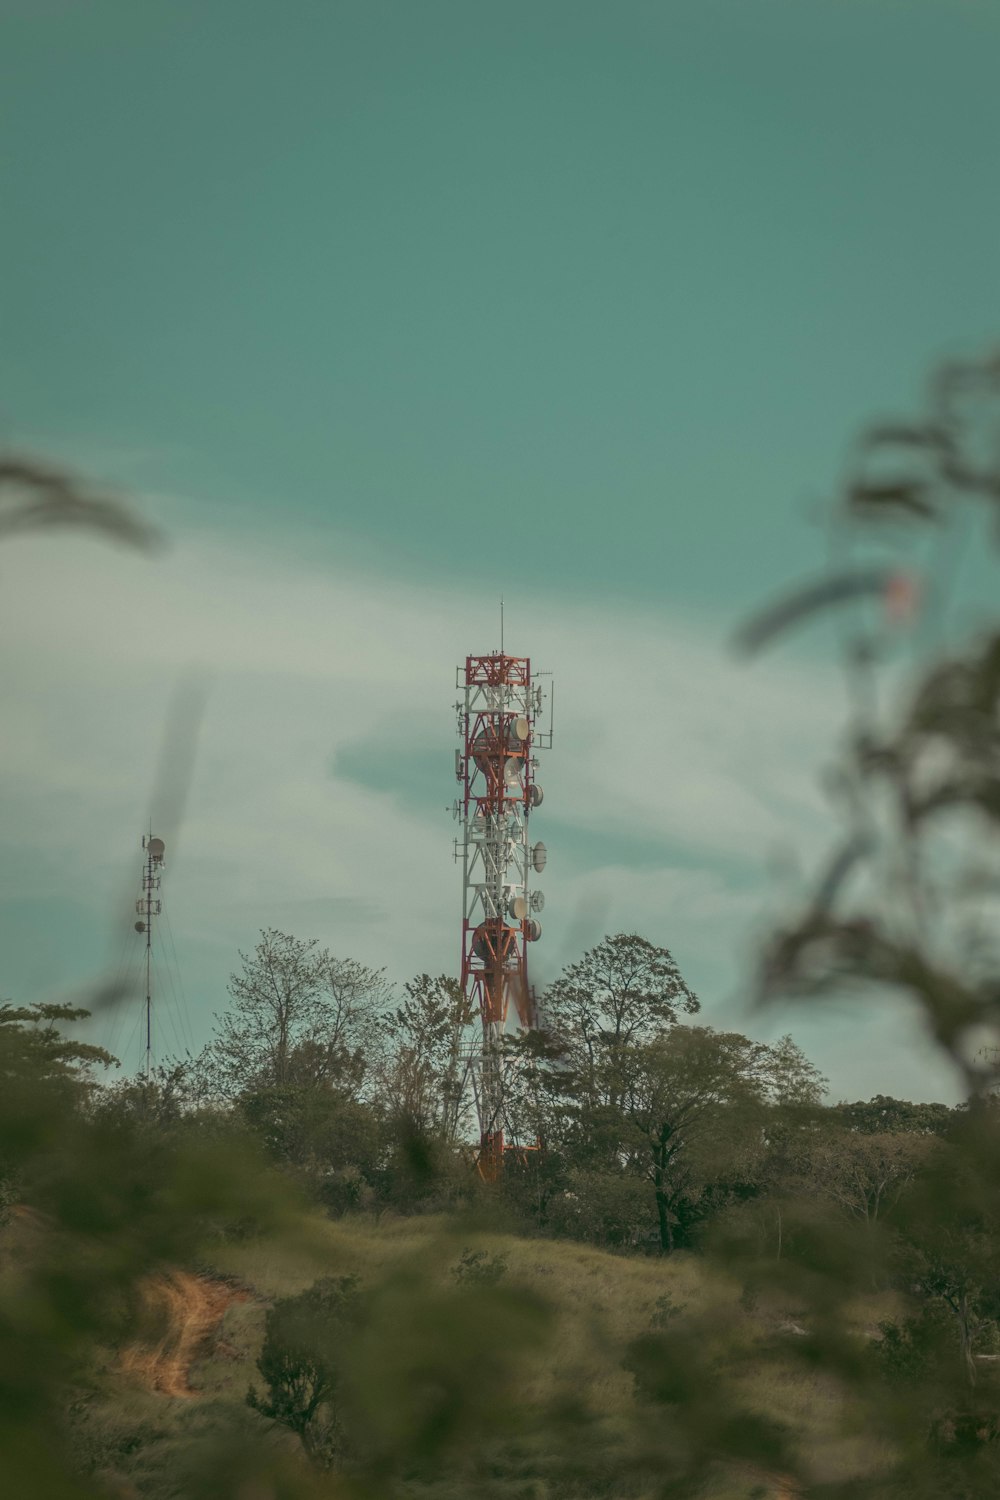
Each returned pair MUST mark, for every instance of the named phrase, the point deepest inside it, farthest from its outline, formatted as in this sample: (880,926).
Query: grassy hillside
(601,1301)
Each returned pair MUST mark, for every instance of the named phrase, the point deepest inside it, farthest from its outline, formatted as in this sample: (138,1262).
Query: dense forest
(638,1128)
(634,1125)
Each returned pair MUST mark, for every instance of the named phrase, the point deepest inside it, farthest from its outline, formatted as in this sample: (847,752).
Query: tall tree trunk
(282,1059)
(662,1206)
(666,1228)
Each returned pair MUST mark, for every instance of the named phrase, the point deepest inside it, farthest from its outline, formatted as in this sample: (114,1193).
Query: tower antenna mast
(147,907)
(498,724)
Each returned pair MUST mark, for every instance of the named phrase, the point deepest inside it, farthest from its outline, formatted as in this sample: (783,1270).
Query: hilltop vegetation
(568,1413)
(540,1335)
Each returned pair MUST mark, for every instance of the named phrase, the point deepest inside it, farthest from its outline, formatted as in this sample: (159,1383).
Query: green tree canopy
(424,1069)
(623,991)
(299,1016)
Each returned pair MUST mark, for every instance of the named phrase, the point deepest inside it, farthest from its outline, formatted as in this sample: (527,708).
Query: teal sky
(572,301)
(613,281)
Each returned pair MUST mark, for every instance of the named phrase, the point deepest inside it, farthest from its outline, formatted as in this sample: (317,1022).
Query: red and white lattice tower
(498,722)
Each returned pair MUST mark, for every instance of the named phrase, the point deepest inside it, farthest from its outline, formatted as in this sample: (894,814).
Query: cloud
(659,738)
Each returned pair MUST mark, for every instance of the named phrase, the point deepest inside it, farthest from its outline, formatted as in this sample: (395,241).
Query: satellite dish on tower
(518,908)
(537,900)
(156,849)
(539,855)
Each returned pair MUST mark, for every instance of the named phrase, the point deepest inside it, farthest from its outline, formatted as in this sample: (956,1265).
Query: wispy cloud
(659,736)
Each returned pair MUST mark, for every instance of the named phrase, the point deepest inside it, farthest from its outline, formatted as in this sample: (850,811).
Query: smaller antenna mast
(147,907)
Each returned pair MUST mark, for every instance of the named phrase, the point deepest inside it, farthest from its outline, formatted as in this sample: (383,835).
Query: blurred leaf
(826,593)
(34,496)
(909,497)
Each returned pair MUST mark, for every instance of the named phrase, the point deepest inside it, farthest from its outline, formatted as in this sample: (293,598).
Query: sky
(385,310)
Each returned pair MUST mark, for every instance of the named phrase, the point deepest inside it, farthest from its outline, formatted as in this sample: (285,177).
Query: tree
(424,1075)
(947,1230)
(162,1102)
(864,1173)
(33,1046)
(300,1362)
(605,1207)
(333,1143)
(695,1104)
(354,1001)
(883,1114)
(43,1075)
(620,994)
(621,1086)
(623,991)
(688,1113)
(299,1017)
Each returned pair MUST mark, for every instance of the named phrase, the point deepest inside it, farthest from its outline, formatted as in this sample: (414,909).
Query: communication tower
(498,724)
(147,907)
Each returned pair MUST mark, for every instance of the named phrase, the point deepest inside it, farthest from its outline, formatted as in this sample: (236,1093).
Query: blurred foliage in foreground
(449,1370)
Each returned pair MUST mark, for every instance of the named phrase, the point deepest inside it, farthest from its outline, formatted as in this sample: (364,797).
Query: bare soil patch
(189,1308)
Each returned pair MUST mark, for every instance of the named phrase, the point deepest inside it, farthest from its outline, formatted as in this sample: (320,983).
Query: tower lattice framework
(498,724)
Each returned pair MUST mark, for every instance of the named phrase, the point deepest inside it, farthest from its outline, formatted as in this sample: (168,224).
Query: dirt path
(783,1488)
(191,1308)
